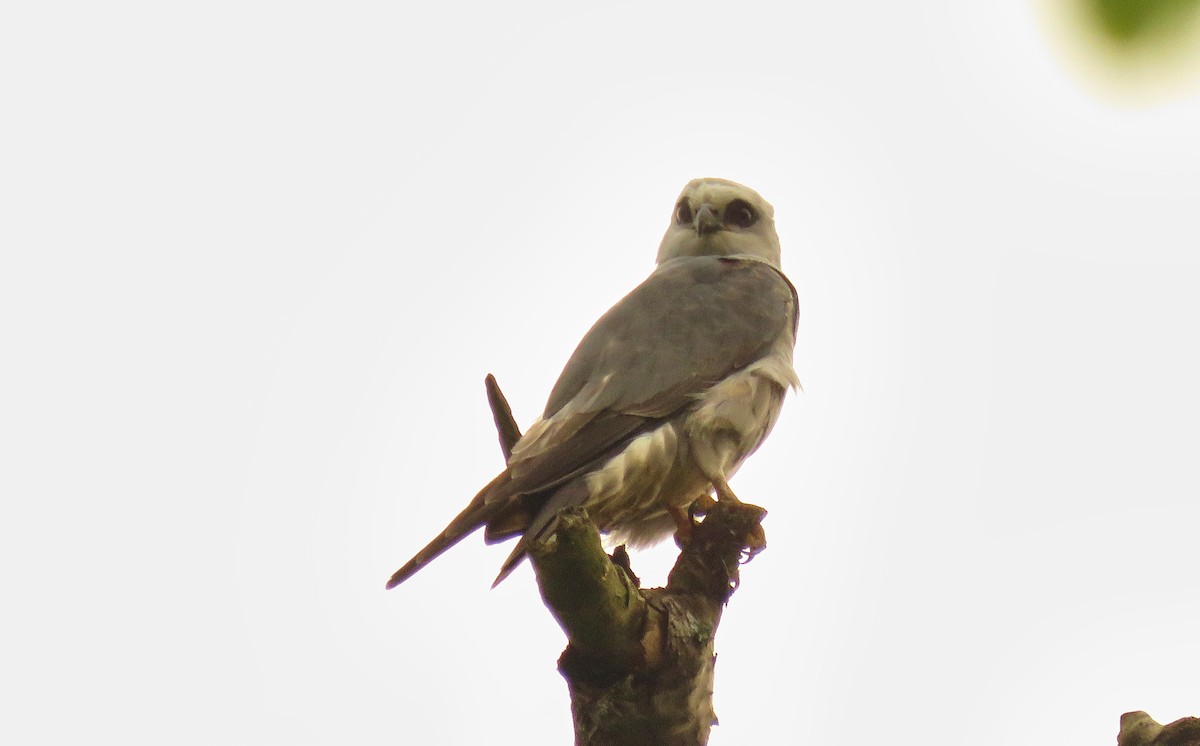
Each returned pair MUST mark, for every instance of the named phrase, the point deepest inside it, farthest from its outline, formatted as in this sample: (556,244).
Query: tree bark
(639,663)
(1139,729)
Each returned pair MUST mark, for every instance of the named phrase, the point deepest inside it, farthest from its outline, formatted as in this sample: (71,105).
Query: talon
(753,543)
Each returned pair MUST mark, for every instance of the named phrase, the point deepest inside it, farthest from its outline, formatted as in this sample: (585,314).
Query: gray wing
(689,325)
(692,323)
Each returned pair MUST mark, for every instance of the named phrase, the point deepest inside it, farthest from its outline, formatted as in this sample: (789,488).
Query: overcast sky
(258,257)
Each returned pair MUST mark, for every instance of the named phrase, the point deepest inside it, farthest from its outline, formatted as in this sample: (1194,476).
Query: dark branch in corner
(1139,729)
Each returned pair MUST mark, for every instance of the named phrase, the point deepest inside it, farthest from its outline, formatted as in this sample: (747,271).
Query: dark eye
(683,213)
(740,213)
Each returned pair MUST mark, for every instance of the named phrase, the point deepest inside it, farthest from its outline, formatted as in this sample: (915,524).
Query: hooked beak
(706,220)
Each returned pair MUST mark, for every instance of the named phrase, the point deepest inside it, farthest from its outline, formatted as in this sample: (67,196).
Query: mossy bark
(639,663)
(1139,729)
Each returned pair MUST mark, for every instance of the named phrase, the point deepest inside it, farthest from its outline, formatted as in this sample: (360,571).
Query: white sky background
(257,259)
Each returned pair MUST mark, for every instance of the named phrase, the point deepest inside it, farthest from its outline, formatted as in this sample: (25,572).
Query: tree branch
(597,605)
(639,664)
(1139,729)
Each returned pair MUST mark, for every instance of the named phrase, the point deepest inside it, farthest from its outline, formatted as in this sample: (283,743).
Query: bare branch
(639,663)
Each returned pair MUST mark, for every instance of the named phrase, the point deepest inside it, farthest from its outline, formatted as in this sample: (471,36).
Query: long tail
(471,519)
(574,493)
(514,559)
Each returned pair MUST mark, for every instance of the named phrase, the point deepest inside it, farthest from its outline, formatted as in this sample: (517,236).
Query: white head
(715,217)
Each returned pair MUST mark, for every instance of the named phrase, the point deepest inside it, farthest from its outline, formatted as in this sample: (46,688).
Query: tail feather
(471,519)
(573,494)
(514,559)
(432,550)
(512,515)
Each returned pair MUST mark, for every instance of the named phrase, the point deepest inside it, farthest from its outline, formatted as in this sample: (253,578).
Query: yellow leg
(724,491)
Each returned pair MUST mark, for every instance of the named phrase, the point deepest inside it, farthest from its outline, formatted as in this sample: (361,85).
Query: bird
(665,396)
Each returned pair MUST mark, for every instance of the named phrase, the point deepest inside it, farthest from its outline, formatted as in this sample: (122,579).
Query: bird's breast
(735,416)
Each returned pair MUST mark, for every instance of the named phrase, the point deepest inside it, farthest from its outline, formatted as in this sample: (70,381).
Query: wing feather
(691,324)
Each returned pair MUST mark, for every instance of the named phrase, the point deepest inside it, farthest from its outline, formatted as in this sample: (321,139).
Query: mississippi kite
(666,395)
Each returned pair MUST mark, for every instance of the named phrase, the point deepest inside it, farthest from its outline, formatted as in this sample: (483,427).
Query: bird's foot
(755,539)
(724,491)
(753,542)
(701,505)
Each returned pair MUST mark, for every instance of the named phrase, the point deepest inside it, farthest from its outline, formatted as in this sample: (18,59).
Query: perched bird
(666,395)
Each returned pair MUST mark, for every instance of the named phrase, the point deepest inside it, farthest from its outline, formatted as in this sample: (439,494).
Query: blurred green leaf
(1138,21)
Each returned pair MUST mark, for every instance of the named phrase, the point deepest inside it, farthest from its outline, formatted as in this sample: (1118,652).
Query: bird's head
(715,217)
